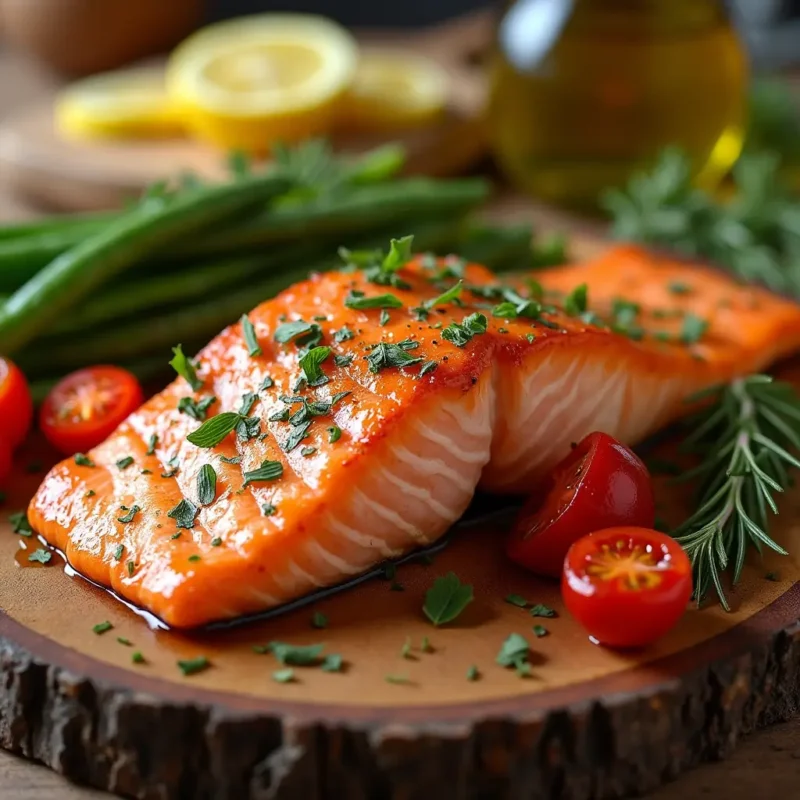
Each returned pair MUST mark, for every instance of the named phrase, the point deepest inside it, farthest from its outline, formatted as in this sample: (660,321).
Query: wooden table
(765,765)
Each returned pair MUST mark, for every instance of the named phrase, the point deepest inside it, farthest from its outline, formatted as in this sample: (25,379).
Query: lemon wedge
(127,103)
(395,89)
(255,80)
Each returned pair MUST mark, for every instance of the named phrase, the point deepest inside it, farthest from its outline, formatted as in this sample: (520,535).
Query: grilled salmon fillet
(378,449)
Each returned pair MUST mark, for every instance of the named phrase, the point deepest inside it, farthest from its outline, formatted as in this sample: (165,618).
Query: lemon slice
(127,103)
(255,80)
(393,90)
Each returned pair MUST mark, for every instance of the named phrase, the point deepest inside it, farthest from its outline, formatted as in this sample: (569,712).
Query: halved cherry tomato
(16,405)
(86,406)
(626,586)
(600,484)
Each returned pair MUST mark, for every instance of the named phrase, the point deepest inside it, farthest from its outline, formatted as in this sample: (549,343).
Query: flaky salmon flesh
(339,464)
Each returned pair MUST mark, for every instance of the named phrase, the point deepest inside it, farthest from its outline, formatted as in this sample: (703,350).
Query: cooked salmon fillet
(414,409)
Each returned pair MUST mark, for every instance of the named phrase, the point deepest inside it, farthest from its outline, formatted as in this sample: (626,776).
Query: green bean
(344,213)
(135,235)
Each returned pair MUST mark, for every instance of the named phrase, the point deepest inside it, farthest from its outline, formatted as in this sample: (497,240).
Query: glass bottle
(585,92)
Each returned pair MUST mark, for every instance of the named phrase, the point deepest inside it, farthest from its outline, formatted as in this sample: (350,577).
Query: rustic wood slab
(589,723)
(39,163)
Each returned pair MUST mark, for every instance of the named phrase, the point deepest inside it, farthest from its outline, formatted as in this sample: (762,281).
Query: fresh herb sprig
(755,234)
(744,436)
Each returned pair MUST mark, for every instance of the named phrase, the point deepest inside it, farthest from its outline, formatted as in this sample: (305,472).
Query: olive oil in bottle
(586,92)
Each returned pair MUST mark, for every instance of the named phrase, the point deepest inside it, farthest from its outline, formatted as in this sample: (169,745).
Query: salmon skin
(376,450)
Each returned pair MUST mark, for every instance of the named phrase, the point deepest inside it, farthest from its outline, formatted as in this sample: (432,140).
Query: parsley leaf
(693,329)
(268,471)
(461,333)
(515,649)
(196,409)
(343,335)
(101,628)
(576,302)
(541,610)
(206,485)
(41,556)
(151,444)
(250,338)
(132,512)
(214,430)
(125,462)
(289,330)
(310,364)
(283,675)
(516,600)
(334,433)
(446,599)
(184,513)
(297,435)
(83,461)
(19,523)
(296,655)
(248,401)
(360,303)
(184,367)
(387,354)
(194,665)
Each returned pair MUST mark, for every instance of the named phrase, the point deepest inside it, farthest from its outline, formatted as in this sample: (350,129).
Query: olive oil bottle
(586,92)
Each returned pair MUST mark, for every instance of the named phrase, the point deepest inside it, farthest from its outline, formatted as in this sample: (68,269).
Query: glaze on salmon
(390,456)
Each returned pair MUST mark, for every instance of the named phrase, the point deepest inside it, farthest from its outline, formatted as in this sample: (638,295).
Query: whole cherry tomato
(84,408)
(600,484)
(16,405)
(626,586)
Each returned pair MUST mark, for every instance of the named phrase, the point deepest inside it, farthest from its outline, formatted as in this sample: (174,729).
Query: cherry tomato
(600,484)
(84,408)
(626,586)
(16,405)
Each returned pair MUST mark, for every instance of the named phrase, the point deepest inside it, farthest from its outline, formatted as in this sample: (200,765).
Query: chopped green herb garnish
(124,642)
(576,302)
(216,541)
(541,610)
(206,485)
(296,655)
(453,293)
(693,329)
(151,444)
(540,631)
(131,567)
(446,599)
(184,513)
(343,334)
(132,512)
(308,451)
(248,428)
(214,430)
(176,535)
(90,493)
(289,330)
(516,600)
(125,462)
(311,362)
(268,509)
(184,367)
(19,523)
(196,409)
(472,673)
(102,627)
(83,461)
(772,576)
(194,557)
(296,436)
(530,337)
(515,650)
(248,401)
(118,552)
(319,620)
(283,675)
(426,645)
(332,663)
(137,658)
(461,333)
(358,302)
(268,471)
(384,318)
(334,433)
(678,287)
(41,556)
(342,361)
(397,679)
(428,366)
(231,460)
(194,665)
(250,338)
(405,650)
(386,355)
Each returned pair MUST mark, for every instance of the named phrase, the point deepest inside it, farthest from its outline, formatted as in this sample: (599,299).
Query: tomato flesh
(84,408)
(627,586)
(600,484)
(16,405)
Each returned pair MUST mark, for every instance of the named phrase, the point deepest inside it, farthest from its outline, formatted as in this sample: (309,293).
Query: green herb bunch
(755,233)
(744,436)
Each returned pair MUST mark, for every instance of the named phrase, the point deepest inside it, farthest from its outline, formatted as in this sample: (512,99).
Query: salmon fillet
(382,456)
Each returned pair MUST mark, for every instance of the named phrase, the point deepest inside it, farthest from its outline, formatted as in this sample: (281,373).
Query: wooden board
(40,164)
(588,723)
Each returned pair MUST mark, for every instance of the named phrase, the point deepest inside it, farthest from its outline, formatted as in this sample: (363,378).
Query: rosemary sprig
(745,436)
